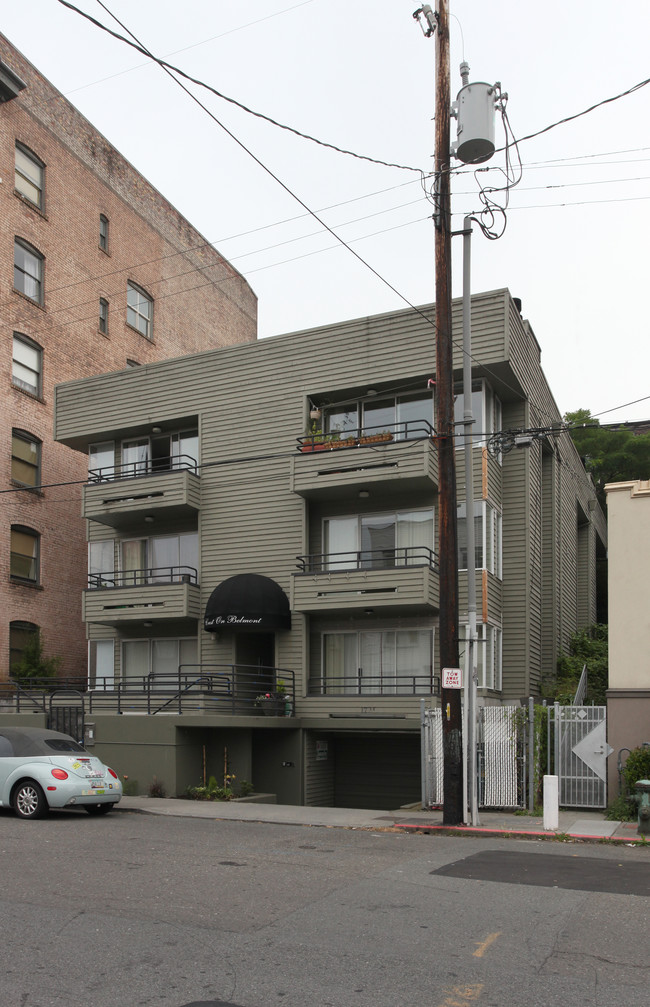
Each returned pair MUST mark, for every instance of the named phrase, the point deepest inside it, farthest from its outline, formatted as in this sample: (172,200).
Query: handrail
(368,559)
(144,576)
(144,467)
(365,436)
(374,684)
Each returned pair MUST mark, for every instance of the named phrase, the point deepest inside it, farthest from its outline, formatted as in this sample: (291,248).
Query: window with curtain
(488,655)
(160,657)
(25,458)
(136,457)
(101,658)
(25,551)
(161,559)
(101,564)
(378,541)
(487,537)
(28,271)
(29,175)
(27,367)
(385,662)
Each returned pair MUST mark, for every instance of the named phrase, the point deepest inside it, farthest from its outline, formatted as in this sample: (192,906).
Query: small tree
(586,647)
(33,663)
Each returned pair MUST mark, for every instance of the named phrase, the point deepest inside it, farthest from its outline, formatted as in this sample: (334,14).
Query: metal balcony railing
(143,577)
(409,430)
(371,683)
(233,689)
(368,559)
(145,467)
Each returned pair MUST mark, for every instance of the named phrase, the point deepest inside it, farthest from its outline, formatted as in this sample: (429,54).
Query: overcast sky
(361,76)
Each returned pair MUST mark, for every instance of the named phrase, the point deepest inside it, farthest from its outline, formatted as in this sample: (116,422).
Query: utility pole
(453,808)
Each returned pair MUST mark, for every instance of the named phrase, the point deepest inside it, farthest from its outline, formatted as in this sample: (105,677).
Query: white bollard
(551,803)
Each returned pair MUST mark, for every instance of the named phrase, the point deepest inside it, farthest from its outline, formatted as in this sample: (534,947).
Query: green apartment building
(262,519)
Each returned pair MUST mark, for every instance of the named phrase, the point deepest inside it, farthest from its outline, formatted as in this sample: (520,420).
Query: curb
(553,837)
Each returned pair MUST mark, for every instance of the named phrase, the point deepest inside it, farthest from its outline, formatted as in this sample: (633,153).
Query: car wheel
(29,800)
(98,809)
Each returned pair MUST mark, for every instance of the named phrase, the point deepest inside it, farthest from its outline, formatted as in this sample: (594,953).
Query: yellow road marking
(482,947)
(461,996)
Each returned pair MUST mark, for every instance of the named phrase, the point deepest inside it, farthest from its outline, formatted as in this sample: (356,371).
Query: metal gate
(66,715)
(500,762)
(580,751)
(510,764)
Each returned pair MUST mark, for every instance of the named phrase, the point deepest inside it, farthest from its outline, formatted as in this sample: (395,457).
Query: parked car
(42,769)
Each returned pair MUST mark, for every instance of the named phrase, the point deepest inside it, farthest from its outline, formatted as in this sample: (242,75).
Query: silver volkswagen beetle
(42,769)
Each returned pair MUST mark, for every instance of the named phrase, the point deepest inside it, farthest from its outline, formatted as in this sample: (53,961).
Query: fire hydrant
(642,797)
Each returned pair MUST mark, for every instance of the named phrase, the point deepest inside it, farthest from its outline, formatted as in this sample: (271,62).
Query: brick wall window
(28,271)
(25,555)
(27,367)
(103,232)
(139,310)
(20,635)
(25,458)
(29,176)
(103,315)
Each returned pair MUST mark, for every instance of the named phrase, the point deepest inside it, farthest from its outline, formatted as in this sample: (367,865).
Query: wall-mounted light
(371,391)
(147,625)
(364,494)
(156,430)
(149,518)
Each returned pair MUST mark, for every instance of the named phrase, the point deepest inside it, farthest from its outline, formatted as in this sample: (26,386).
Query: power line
(168,67)
(195,45)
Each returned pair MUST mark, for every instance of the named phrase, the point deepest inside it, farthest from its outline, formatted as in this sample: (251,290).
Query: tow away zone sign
(452,678)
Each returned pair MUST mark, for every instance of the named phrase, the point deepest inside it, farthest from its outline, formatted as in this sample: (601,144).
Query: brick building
(98,272)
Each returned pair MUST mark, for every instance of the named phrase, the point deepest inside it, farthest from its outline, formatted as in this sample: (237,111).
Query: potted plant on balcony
(271,703)
(377,438)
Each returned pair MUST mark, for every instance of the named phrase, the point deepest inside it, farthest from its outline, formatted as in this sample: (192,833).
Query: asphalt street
(137,909)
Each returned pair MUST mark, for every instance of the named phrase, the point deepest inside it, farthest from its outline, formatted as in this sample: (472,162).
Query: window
(378,541)
(488,656)
(486,410)
(24,554)
(101,563)
(25,458)
(136,457)
(391,662)
(28,271)
(139,310)
(163,659)
(29,176)
(101,660)
(20,635)
(101,461)
(103,232)
(159,560)
(487,537)
(103,315)
(27,364)
(405,416)
(175,451)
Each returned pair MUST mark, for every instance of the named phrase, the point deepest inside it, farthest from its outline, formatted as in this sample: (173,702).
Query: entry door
(255,660)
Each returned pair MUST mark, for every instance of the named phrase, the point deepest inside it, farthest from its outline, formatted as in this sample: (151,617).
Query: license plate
(96,784)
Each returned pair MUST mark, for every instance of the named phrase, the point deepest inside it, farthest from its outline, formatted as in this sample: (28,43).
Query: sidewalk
(588,826)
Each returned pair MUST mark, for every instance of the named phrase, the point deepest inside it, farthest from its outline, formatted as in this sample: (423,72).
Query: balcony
(137,596)
(389,580)
(230,690)
(120,496)
(331,466)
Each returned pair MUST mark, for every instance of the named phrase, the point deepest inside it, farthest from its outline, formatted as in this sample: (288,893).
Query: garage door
(378,771)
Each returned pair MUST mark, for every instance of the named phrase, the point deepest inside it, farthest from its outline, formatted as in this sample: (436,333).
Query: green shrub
(621,810)
(157,788)
(130,788)
(245,788)
(637,767)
